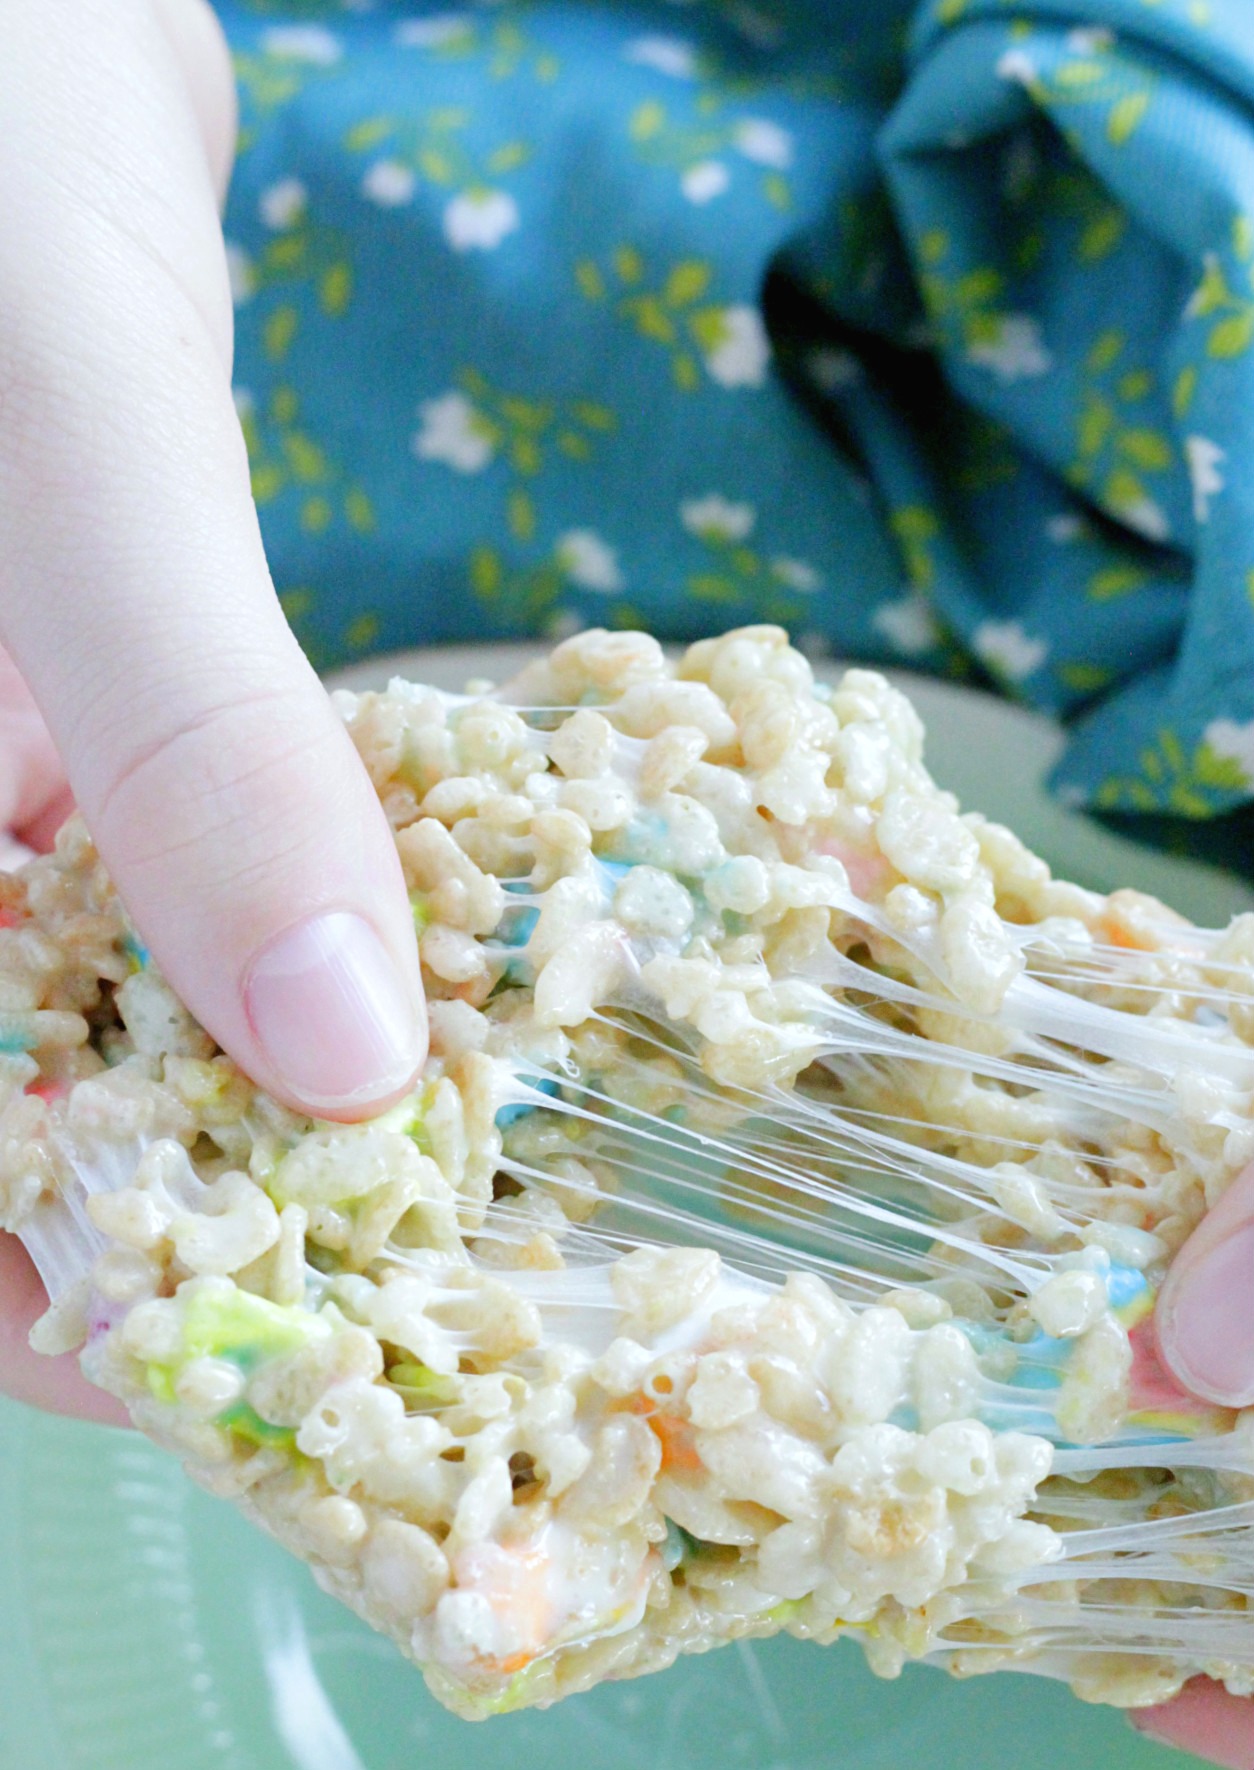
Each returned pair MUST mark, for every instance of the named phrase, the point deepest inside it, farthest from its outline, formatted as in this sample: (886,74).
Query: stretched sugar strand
(771,1243)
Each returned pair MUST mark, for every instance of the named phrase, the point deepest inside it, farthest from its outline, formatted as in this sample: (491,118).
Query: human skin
(167,695)
(1206,1335)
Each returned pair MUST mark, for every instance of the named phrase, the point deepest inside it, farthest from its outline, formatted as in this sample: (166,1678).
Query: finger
(222,791)
(34,798)
(1204,1720)
(40,832)
(1205,1311)
(56,1384)
(204,61)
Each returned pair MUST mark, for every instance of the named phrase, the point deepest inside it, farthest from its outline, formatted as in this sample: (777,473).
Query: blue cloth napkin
(925,331)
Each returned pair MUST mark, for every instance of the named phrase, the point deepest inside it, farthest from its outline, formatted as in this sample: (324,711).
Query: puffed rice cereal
(771,1241)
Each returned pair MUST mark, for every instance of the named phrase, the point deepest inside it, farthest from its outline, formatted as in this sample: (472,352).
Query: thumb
(1205,1312)
(237,820)
(243,834)
(1205,1720)
(224,795)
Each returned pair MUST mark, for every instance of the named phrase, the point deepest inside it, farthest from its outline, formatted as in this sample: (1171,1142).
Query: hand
(1206,1336)
(221,790)
(1206,1721)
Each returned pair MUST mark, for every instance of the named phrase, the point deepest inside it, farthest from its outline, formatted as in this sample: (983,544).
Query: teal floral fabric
(925,330)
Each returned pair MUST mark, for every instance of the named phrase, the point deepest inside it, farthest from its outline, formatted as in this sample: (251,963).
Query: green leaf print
(1115,455)
(659,304)
(647,120)
(1125,115)
(916,527)
(505,159)
(1192,785)
(279,331)
(485,572)
(367,134)
(591,282)
(687,282)
(359,510)
(1123,490)
(1083,677)
(522,515)
(778,191)
(435,165)
(335,289)
(1145,448)
(979,286)
(1080,73)
(1232,335)
(1100,236)
(1097,420)
(1212,292)
(1183,391)
(1224,773)
(1105,351)
(362,632)
(709,587)
(1113,581)
(284,458)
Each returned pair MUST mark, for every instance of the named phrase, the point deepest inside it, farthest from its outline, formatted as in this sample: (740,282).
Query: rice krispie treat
(770,1244)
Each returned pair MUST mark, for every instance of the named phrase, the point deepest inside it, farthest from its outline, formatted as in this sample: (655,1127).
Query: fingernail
(1206,1321)
(332,1013)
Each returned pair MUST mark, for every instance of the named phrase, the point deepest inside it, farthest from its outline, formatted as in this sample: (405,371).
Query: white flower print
(563,623)
(589,562)
(435,32)
(798,574)
(1203,457)
(1089,40)
(1015,352)
(244,402)
(705,180)
(764,142)
(1064,526)
(455,432)
(311,43)
(389,183)
(1212,280)
(665,55)
(1015,65)
(1006,648)
(241,276)
(715,518)
(281,205)
(1147,518)
(742,352)
(1236,742)
(908,625)
(479,220)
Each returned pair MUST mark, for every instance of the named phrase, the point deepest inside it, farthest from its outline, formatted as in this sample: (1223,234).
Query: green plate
(145,1626)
